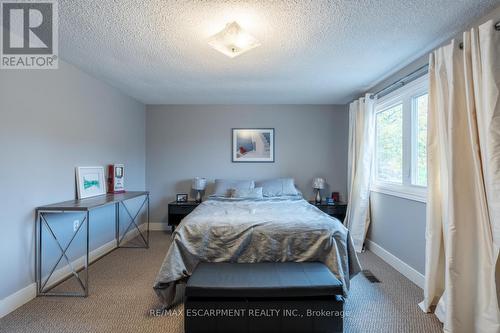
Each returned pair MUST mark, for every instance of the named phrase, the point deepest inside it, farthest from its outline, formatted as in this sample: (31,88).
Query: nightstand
(179,210)
(337,210)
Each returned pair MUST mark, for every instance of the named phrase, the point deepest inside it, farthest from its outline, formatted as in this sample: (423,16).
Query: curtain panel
(463,207)
(361,138)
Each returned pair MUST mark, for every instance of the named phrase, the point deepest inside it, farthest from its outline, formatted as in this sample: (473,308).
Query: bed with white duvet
(268,229)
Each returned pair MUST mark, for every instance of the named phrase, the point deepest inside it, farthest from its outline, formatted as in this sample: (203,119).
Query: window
(389,144)
(400,159)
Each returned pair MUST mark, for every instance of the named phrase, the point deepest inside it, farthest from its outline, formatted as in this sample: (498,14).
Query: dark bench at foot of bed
(263,297)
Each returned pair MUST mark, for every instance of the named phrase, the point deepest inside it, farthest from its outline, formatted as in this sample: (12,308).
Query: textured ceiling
(312,51)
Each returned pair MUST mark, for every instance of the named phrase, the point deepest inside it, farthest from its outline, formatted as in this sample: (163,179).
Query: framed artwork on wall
(251,145)
(90,182)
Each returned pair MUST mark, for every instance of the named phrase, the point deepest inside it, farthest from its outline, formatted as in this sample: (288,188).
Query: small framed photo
(252,145)
(116,178)
(90,182)
(183,197)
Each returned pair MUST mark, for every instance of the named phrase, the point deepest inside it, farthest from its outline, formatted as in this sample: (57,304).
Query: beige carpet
(121,297)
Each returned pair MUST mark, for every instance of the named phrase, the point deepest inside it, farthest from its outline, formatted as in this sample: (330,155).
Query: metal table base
(83,206)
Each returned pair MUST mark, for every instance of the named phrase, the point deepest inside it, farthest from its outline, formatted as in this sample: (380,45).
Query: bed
(269,229)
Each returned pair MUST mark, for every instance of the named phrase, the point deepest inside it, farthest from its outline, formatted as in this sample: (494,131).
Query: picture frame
(252,145)
(182,197)
(116,178)
(90,181)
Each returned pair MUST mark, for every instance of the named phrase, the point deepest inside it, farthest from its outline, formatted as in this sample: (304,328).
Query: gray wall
(398,225)
(50,122)
(188,141)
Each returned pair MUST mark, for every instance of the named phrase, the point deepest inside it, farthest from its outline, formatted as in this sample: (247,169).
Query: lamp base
(198,196)
(318,196)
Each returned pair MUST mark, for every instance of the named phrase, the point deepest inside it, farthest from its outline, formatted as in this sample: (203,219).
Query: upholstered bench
(263,297)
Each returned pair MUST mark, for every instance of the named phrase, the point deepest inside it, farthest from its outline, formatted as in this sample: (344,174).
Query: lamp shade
(199,183)
(319,183)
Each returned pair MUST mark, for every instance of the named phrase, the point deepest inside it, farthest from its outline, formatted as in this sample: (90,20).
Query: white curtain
(361,138)
(463,208)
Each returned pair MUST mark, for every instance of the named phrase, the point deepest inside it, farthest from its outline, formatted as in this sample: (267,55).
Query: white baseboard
(411,273)
(23,296)
(20,297)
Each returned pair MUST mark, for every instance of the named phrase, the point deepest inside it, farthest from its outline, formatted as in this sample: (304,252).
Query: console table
(83,206)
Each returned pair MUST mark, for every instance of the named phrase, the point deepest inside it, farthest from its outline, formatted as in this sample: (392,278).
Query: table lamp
(318,185)
(199,184)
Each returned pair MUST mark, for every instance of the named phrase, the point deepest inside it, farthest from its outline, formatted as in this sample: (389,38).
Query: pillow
(254,193)
(299,194)
(222,186)
(278,187)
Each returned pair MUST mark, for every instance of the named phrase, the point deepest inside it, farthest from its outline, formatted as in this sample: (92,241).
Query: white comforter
(275,230)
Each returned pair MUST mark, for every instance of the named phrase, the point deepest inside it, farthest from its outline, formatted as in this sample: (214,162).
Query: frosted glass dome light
(233,40)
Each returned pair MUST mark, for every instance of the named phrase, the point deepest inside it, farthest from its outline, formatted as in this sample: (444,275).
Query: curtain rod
(419,72)
(497,28)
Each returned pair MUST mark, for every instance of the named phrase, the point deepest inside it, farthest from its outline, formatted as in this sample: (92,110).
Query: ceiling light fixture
(233,40)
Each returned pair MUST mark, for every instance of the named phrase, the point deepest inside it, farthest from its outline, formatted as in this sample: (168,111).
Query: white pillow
(254,193)
(278,187)
(222,186)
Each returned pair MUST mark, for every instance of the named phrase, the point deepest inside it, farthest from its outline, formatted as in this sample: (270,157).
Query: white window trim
(405,96)
(411,192)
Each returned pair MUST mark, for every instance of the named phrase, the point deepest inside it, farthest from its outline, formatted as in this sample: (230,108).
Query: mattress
(285,229)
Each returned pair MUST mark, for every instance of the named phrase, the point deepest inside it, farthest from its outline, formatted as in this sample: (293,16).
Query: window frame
(406,96)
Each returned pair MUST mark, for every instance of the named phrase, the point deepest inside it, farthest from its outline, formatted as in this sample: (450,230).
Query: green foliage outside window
(421,172)
(389,145)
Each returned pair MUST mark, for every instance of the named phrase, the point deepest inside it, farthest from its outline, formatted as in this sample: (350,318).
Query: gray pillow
(254,193)
(277,187)
(222,186)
